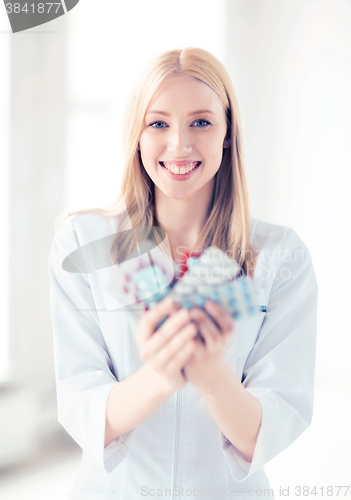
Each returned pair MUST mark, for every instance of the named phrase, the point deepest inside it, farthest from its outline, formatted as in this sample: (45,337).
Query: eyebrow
(199,111)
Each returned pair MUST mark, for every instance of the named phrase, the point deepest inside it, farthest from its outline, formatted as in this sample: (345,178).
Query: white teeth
(180,171)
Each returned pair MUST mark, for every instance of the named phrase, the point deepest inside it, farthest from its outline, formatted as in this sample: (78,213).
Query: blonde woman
(157,412)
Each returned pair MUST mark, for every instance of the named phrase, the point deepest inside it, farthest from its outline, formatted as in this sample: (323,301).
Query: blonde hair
(229,221)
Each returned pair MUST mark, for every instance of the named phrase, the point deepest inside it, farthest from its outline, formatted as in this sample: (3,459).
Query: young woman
(157,412)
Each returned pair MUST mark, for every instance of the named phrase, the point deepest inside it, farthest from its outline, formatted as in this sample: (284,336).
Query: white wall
(290,62)
(4,196)
(33,117)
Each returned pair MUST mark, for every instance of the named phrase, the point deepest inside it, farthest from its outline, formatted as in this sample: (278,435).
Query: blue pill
(228,290)
(236,314)
(200,300)
(233,303)
(214,295)
(247,298)
(190,262)
(187,304)
(243,284)
(252,310)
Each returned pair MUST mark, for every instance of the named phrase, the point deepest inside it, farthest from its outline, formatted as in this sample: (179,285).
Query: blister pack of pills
(151,276)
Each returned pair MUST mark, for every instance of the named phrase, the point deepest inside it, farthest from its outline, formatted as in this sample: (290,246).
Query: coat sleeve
(83,369)
(280,369)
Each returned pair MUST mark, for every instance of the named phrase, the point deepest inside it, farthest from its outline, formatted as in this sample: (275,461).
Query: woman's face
(184,127)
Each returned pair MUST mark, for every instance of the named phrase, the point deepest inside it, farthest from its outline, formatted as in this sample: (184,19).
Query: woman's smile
(180,170)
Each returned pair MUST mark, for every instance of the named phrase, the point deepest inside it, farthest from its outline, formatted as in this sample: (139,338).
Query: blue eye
(154,123)
(201,120)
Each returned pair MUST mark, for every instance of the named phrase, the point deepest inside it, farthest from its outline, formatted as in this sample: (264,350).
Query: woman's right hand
(169,348)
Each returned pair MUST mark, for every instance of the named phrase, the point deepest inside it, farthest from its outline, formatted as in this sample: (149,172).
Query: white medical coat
(180,445)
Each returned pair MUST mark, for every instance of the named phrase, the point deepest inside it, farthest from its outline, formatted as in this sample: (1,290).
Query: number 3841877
(327,491)
(39,8)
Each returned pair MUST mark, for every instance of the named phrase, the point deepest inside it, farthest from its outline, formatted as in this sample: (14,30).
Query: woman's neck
(182,220)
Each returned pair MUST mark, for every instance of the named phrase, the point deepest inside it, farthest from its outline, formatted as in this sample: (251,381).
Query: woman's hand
(207,362)
(168,348)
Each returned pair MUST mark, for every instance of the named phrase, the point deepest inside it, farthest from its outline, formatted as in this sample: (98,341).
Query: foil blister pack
(150,277)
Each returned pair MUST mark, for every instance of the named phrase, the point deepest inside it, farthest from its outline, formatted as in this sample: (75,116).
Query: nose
(179,142)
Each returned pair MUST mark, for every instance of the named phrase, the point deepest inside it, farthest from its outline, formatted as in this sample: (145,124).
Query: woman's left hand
(207,362)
